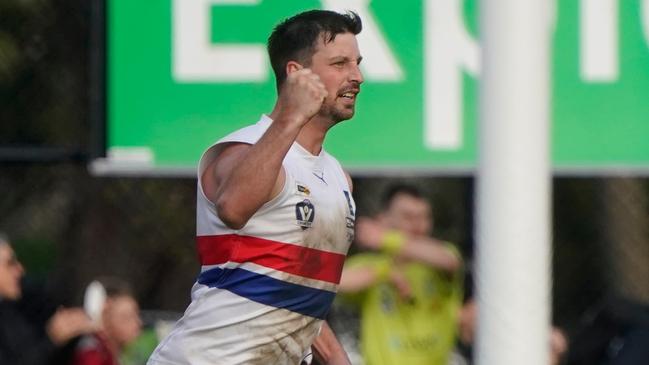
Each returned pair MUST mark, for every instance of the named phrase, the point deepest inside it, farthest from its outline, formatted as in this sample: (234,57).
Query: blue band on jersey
(270,291)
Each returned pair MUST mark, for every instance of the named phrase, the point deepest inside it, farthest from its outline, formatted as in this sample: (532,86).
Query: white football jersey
(264,289)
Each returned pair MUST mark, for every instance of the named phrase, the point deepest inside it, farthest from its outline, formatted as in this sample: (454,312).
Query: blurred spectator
(119,325)
(409,289)
(614,332)
(23,340)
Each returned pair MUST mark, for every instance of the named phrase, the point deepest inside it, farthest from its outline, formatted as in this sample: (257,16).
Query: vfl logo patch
(304,213)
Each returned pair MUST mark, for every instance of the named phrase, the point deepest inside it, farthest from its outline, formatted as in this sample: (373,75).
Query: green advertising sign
(183,73)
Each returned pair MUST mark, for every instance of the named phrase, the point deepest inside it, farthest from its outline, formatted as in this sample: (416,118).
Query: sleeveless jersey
(264,289)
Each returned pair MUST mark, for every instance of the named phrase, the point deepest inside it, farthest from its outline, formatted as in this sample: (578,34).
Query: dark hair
(397,189)
(116,287)
(295,38)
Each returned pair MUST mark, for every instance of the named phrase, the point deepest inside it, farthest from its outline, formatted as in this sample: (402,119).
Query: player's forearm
(327,350)
(253,178)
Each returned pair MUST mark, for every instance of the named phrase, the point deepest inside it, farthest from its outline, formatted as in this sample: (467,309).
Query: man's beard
(336,115)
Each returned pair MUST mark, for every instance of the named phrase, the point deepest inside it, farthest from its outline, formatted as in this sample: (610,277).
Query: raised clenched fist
(302,95)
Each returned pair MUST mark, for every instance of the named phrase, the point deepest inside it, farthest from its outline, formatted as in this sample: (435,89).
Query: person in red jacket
(119,325)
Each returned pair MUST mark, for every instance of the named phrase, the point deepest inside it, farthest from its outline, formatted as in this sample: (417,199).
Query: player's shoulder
(244,136)
(249,134)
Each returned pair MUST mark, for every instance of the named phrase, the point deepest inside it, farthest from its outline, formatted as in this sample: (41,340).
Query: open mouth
(349,94)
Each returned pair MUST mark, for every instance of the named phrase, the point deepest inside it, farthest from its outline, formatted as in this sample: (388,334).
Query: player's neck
(312,135)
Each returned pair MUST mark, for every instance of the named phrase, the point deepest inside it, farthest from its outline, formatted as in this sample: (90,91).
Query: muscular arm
(243,177)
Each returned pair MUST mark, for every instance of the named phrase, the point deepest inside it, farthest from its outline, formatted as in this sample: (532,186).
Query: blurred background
(69,226)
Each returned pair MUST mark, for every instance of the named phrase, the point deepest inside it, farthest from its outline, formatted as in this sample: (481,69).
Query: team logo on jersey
(304,213)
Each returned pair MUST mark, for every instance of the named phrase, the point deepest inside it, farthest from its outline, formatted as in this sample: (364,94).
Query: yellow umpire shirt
(416,331)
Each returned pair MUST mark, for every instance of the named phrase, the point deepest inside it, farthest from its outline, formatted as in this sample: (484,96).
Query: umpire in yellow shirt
(409,287)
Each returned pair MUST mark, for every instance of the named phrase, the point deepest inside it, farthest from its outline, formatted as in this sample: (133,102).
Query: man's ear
(292,66)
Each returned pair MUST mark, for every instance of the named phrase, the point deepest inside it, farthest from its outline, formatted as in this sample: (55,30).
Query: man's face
(10,273)
(409,214)
(337,65)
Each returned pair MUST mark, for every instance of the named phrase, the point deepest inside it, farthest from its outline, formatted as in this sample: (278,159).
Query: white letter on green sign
(197,59)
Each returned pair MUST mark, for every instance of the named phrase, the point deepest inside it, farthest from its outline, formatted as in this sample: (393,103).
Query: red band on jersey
(289,258)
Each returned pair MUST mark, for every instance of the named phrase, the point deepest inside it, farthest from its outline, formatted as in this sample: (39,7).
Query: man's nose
(356,75)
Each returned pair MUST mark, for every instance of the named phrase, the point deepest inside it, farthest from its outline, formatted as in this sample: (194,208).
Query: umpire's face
(409,214)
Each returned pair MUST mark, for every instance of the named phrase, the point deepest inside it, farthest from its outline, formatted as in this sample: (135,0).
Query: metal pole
(513,190)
